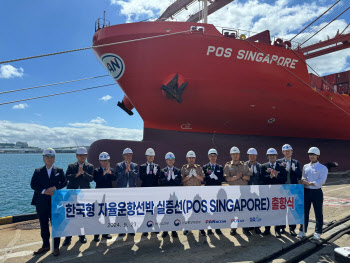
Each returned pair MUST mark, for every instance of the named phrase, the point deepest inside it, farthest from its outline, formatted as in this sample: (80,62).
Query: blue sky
(38,27)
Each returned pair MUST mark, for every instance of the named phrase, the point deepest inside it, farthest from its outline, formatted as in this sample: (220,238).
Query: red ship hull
(232,89)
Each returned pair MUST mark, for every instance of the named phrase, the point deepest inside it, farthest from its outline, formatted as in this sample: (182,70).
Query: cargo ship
(196,87)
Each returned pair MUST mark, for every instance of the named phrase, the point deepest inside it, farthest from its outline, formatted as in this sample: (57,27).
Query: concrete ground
(18,241)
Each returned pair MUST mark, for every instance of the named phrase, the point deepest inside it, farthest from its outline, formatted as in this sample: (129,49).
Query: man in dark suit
(170,176)
(79,176)
(149,173)
(273,172)
(214,175)
(294,173)
(127,173)
(255,179)
(44,182)
(104,177)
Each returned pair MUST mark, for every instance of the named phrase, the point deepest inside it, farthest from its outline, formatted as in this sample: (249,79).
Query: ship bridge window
(230,33)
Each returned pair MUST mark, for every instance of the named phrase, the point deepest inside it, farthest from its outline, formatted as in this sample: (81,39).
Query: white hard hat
(234,149)
(104,156)
(169,155)
(150,152)
(127,150)
(314,150)
(81,150)
(286,147)
(271,151)
(49,152)
(190,154)
(252,151)
(212,151)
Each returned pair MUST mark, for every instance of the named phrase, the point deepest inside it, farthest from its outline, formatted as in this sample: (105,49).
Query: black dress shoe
(278,234)
(41,250)
(66,242)
(122,235)
(293,233)
(164,234)
(56,252)
(97,238)
(174,234)
(218,231)
(210,232)
(133,234)
(203,233)
(266,233)
(257,231)
(144,234)
(233,232)
(246,232)
(107,236)
(82,240)
(185,232)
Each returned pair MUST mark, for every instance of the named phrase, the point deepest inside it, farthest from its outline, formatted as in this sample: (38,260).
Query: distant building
(21,145)
(7,145)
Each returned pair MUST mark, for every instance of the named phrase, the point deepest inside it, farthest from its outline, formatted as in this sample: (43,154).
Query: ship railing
(101,23)
(244,34)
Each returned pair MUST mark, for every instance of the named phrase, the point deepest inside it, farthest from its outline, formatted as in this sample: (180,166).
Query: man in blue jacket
(294,173)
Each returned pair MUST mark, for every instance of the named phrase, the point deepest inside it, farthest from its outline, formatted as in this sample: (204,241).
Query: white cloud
(133,9)
(7,71)
(82,133)
(98,120)
(106,98)
(20,106)
(284,18)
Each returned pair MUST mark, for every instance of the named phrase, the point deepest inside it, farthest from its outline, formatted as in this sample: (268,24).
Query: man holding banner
(44,182)
(273,172)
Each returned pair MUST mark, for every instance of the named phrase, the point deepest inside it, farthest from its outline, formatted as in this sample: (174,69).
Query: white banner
(154,209)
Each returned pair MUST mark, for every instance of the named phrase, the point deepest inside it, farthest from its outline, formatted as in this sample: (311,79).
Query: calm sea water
(16,171)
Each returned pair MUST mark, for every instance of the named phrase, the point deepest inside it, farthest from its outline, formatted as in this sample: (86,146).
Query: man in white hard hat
(44,182)
(104,177)
(214,175)
(294,173)
(237,172)
(79,175)
(192,175)
(255,179)
(170,176)
(149,173)
(127,173)
(314,176)
(273,172)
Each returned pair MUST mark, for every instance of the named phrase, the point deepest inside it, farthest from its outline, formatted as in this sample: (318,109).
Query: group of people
(80,174)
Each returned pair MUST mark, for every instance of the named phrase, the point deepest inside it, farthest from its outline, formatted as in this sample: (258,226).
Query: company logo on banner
(130,210)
